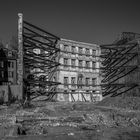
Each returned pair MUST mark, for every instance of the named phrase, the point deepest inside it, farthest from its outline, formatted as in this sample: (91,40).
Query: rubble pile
(130,103)
(66,118)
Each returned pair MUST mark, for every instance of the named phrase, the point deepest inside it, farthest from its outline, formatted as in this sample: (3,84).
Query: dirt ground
(68,121)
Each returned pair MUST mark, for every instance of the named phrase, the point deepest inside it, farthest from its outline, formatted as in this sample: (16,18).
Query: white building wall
(69,72)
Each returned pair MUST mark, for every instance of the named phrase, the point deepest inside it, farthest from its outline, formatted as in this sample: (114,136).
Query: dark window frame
(87,81)
(73,62)
(73,81)
(87,64)
(66,81)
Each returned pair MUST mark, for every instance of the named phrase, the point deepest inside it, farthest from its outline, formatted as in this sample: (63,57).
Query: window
(65,61)
(73,49)
(87,64)
(93,81)
(87,91)
(65,92)
(73,62)
(80,80)
(10,53)
(65,81)
(73,81)
(87,51)
(65,48)
(93,52)
(1,64)
(80,63)
(10,74)
(87,81)
(72,91)
(80,50)
(93,64)
(10,64)
(1,74)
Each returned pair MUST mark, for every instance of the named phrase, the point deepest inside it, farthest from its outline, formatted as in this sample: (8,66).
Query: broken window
(93,64)
(93,81)
(80,50)
(93,52)
(65,48)
(87,64)
(65,62)
(66,81)
(80,63)
(87,51)
(80,80)
(87,81)
(73,81)
(73,49)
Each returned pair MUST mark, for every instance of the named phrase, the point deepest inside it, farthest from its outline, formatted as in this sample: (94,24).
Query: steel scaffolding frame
(120,61)
(39,55)
(39,61)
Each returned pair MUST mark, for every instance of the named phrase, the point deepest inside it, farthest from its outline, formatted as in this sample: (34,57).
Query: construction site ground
(110,119)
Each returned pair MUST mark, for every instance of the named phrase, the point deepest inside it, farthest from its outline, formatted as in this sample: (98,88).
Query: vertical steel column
(20,53)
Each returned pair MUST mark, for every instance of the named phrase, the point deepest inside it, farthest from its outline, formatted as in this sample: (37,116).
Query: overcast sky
(91,21)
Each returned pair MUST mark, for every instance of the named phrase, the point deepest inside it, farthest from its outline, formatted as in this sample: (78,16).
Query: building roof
(78,42)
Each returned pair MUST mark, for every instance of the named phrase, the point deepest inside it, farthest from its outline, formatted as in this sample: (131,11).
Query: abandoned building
(8,65)
(67,70)
(78,73)
(9,88)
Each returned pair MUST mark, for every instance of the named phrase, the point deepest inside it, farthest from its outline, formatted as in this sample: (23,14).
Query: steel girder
(119,63)
(40,61)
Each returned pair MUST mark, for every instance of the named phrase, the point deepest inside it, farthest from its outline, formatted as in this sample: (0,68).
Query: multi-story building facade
(12,67)
(8,67)
(78,72)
